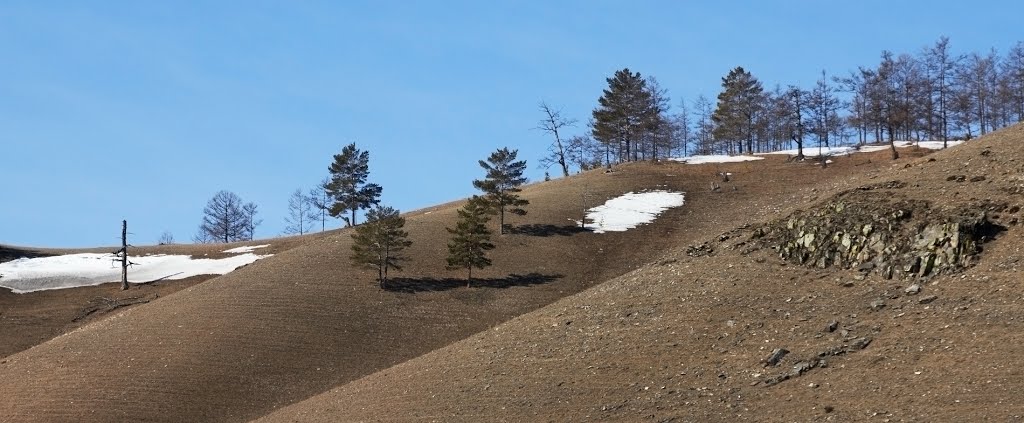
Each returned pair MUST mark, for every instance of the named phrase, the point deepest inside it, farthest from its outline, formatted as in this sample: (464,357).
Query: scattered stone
(858,277)
(877,304)
(832,326)
(829,408)
(978,178)
(913,289)
(775,357)
(802,367)
(928,299)
(860,343)
(847,284)
(700,250)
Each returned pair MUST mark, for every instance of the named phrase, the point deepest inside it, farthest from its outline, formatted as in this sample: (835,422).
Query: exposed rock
(913,289)
(877,304)
(775,357)
(700,250)
(874,231)
(928,299)
(832,326)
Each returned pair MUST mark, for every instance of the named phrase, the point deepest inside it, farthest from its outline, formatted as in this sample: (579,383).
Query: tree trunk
(124,255)
(469,279)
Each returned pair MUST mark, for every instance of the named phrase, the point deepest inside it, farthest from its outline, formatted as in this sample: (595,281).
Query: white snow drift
(245,249)
(814,151)
(86,269)
(631,210)
(716,158)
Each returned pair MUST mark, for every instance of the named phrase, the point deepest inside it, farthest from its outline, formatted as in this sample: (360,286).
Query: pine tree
(623,115)
(348,186)
(470,239)
(501,184)
(739,103)
(379,242)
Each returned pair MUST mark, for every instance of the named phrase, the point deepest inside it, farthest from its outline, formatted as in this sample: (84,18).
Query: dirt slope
(686,338)
(30,319)
(289,327)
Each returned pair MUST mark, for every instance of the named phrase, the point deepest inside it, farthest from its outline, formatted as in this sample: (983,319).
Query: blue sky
(143,110)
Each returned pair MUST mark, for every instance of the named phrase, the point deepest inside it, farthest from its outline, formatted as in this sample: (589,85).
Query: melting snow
(245,249)
(716,158)
(813,151)
(631,210)
(87,269)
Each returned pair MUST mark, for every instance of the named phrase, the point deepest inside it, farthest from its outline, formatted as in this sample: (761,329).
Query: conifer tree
(502,182)
(739,103)
(623,115)
(380,241)
(348,186)
(470,239)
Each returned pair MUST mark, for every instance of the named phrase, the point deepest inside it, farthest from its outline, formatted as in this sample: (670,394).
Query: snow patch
(87,269)
(815,152)
(245,249)
(631,210)
(716,158)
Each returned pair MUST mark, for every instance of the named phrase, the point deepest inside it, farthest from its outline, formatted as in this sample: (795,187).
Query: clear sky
(134,110)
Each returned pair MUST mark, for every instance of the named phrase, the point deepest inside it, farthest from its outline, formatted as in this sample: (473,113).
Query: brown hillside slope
(294,325)
(686,338)
(30,319)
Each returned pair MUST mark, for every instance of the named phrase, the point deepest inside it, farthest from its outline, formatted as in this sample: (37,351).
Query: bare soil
(566,325)
(698,333)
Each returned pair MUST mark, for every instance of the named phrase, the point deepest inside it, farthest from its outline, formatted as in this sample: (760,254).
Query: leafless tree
(301,213)
(552,123)
(225,219)
(166,238)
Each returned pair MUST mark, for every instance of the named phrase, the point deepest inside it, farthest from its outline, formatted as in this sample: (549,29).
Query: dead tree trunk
(124,255)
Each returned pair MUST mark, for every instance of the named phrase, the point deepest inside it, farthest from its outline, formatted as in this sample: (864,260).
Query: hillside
(690,336)
(294,325)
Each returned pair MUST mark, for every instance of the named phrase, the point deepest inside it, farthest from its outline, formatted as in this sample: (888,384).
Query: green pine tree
(502,182)
(348,186)
(739,103)
(379,242)
(470,239)
(623,116)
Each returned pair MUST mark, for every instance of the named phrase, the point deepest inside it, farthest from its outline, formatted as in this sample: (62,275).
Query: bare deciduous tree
(225,219)
(301,213)
(552,123)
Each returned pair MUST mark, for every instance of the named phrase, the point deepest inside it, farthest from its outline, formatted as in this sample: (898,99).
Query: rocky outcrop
(873,229)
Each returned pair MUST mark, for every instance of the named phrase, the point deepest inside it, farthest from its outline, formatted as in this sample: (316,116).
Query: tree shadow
(546,230)
(414,285)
